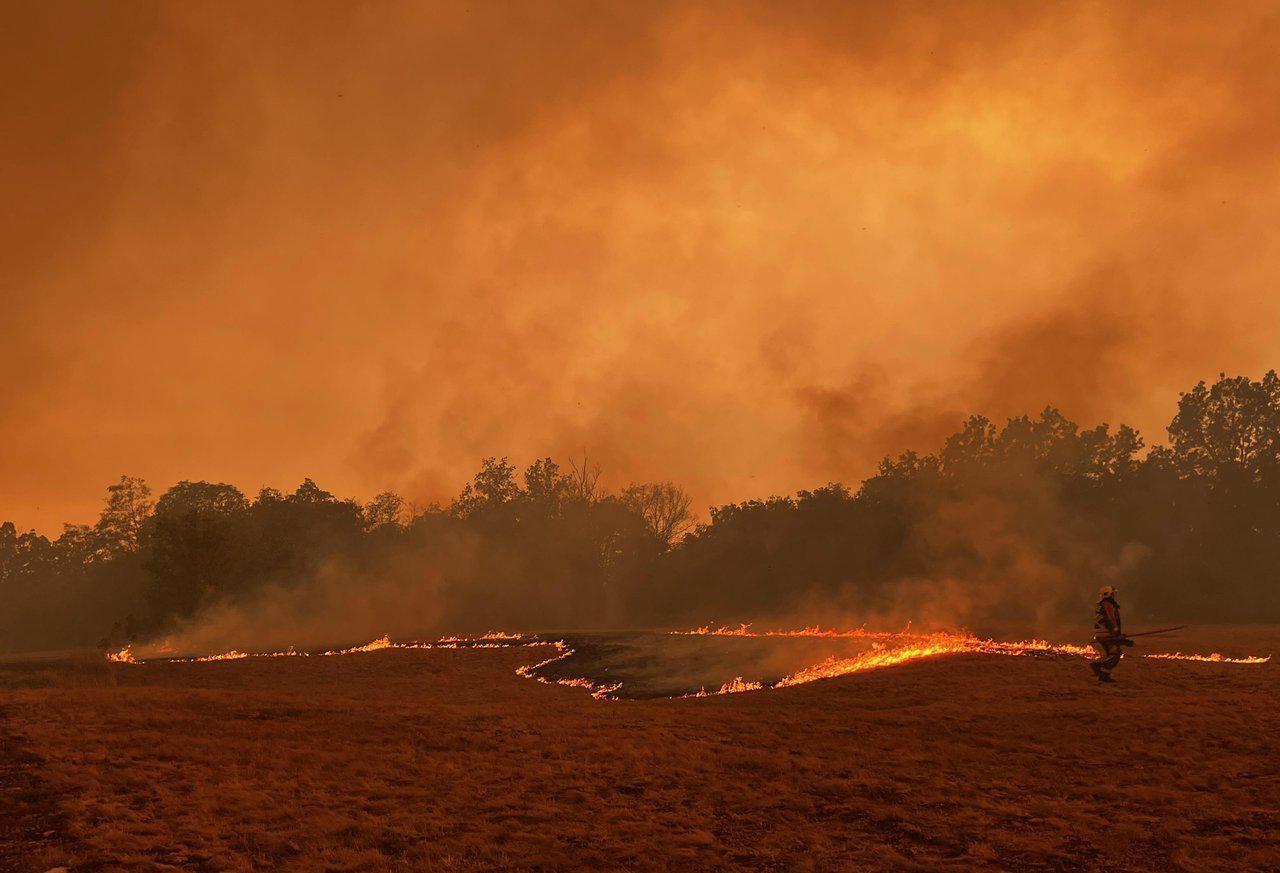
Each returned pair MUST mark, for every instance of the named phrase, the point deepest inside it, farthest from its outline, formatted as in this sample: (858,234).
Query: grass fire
(613,436)
(943,749)
(612,658)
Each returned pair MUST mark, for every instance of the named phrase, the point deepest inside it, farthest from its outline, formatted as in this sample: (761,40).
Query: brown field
(446,760)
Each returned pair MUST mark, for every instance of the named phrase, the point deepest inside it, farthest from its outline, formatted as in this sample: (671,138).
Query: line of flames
(1211,658)
(912,646)
(606,691)
(490,640)
(745,630)
(887,649)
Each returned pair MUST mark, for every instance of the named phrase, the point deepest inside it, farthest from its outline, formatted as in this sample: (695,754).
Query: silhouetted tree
(492,487)
(1231,428)
(663,506)
(193,556)
(584,479)
(1016,521)
(545,487)
(386,509)
(120,525)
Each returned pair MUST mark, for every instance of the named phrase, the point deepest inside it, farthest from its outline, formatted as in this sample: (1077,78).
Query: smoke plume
(741,246)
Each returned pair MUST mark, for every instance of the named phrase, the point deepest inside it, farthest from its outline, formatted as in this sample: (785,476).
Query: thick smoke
(741,247)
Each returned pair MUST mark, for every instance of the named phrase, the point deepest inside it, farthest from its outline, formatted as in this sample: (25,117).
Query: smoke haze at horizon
(747,249)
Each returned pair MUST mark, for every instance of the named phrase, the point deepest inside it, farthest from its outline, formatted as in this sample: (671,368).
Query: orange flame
(236,655)
(382,642)
(490,640)
(880,656)
(887,649)
(491,635)
(890,649)
(232,655)
(602,691)
(737,685)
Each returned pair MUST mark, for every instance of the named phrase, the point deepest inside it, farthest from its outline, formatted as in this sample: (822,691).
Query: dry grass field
(446,760)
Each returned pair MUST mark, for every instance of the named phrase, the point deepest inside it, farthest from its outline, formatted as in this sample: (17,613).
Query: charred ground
(659,664)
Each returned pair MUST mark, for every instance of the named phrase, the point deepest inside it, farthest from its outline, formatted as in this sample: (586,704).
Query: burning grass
(123,656)
(1212,658)
(442,758)
(889,649)
(660,671)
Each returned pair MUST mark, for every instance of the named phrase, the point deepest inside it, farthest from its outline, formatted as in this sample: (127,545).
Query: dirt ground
(446,760)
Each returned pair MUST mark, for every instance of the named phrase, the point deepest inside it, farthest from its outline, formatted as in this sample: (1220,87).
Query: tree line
(1016,523)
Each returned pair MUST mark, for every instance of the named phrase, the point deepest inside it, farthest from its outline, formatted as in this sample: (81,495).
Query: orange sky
(747,247)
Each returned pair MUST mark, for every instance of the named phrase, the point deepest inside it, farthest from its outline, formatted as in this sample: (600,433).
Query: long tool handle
(1163,630)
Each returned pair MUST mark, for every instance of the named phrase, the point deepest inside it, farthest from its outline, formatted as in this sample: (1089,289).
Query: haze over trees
(1009,524)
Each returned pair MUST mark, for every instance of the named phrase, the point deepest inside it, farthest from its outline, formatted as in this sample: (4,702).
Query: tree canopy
(1014,523)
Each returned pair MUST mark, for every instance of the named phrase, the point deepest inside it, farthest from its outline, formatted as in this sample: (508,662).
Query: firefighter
(1108,638)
